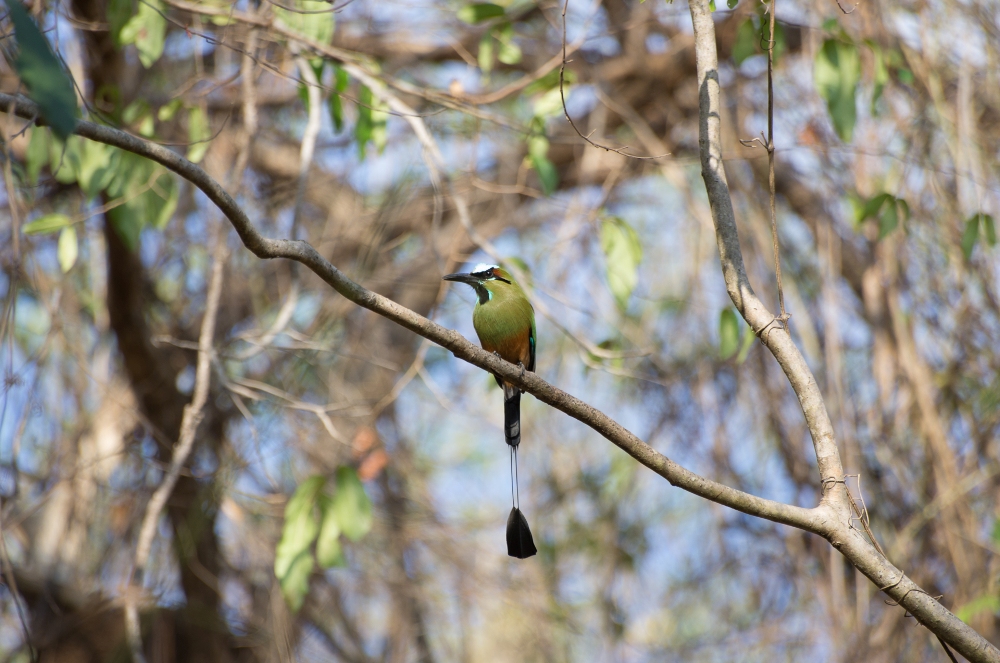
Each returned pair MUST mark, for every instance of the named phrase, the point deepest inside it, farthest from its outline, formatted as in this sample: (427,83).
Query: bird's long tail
(519,541)
(512,415)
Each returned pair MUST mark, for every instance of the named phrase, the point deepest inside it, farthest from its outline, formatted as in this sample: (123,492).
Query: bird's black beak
(462,278)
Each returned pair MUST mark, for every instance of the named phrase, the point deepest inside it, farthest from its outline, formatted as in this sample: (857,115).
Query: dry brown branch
(189,426)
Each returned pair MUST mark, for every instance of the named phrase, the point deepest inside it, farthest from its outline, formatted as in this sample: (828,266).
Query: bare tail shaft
(512,415)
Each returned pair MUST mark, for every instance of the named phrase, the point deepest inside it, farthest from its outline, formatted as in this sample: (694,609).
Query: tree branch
(813,520)
(189,426)
(840,533)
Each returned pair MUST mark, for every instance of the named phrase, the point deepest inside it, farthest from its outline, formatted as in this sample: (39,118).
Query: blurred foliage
(347,493)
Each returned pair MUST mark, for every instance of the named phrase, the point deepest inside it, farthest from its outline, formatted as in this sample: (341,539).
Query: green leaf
(972,226)
(485,55)
(329,552)
(36,156)
(748,338)
(318,27)
(198,134)
(509,52)
(68,249)
(351,505)
(339,78)
(990,229)
(64,159)
(47,224)
(548,175)
(889,219)
(167,111)
(880,75)
(151,195)
(711,5)
(135,110)
(336,105)
(295,580)
(885,207)
(372,122)
(732,3)
(780,43)
(336,113)
(549,81)
(970,236)
(47,82)
(746,42)
(479,12)
(836,73)
(118,13)
(363,127)
(729,333)
(985,603)
(96,166)
(622,255)
(293,560)
(872,207)
(550,104)
(147,30)
(161,200)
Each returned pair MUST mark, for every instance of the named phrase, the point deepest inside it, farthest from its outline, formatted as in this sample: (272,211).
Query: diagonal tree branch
(809,519)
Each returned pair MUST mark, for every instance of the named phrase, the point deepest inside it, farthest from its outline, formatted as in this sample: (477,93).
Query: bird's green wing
(531,340)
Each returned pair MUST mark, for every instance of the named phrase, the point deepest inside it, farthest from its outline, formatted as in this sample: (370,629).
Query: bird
(505,323)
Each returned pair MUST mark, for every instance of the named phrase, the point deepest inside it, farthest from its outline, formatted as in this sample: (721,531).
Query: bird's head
(487,280)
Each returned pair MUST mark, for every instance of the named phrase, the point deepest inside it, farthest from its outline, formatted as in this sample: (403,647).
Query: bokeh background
(887,131)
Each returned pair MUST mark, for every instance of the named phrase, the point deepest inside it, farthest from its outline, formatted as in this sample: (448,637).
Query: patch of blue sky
(269,461)
(580,100)
(184,46)
(306,309)
(657,43)
(593,27)
(441,75)
(414,18)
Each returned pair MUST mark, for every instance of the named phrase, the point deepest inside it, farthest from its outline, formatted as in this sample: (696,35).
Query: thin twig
(562,96)
(295,10)
(11,581)
(947,649)
(783,316)
(309,135)
(10,307)
(851,11)
(193,414)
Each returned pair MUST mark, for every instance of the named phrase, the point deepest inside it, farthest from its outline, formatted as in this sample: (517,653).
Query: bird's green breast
(505,324)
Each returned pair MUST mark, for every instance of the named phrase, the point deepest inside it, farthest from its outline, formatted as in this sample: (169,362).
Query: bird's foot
(521,366)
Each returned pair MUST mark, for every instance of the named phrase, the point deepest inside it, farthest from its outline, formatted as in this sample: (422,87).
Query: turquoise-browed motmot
(505,323)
